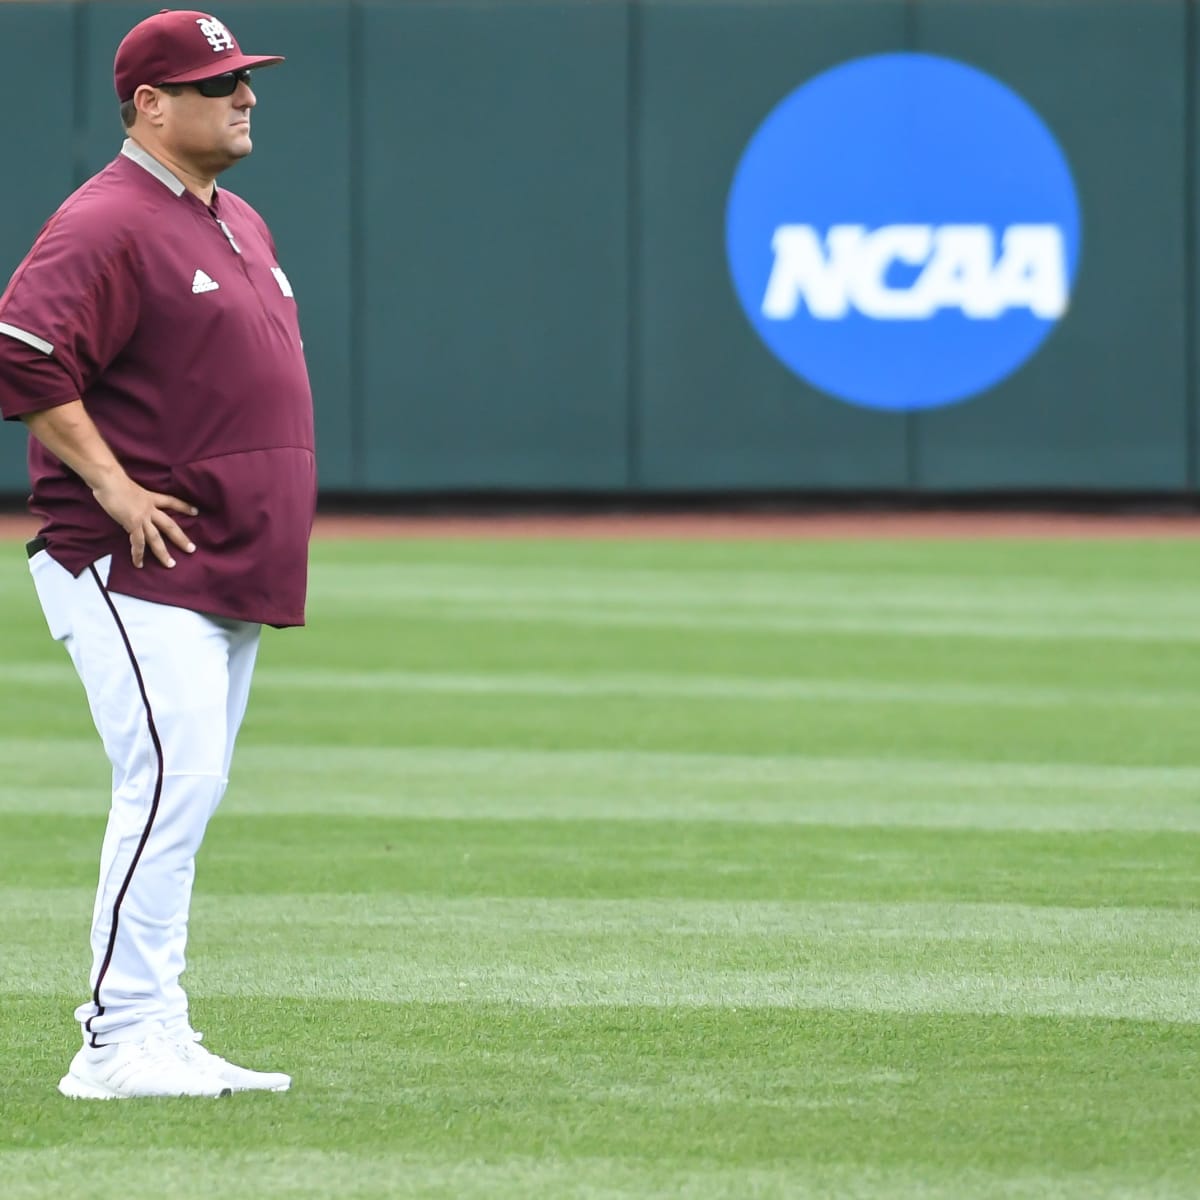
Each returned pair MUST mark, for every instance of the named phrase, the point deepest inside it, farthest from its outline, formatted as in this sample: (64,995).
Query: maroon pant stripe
(158,782)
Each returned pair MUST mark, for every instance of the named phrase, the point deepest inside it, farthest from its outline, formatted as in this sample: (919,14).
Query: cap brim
(236,62)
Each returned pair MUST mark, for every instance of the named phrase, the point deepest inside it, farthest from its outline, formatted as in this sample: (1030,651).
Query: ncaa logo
(903,232)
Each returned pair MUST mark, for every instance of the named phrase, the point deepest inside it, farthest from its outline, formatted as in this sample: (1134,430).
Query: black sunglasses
(221,85)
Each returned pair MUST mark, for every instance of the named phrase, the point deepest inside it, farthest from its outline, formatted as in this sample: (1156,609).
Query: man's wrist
(103,475)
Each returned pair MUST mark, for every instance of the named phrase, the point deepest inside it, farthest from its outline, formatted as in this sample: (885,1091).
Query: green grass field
(565,869)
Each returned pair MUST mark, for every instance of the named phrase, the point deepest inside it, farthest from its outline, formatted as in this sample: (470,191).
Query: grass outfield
(564,869)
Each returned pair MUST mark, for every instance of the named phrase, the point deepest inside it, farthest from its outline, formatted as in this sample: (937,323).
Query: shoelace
(192,1052)
(160,1046)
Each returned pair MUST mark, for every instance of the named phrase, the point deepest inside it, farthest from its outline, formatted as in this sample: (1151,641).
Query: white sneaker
(240,1079)
(126,1070)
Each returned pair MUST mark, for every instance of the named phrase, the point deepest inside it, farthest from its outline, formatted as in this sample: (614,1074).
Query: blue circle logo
(903,231)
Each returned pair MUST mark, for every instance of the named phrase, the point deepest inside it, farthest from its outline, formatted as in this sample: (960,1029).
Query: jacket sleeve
(66,314)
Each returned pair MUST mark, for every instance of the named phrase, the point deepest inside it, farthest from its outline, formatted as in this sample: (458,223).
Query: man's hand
(145,517)
(70,434)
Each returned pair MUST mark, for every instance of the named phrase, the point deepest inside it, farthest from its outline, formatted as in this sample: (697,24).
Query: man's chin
(231,154)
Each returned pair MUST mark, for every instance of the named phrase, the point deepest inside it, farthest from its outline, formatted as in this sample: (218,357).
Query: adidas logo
(203,283)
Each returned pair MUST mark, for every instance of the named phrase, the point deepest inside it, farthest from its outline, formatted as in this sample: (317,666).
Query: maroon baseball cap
(179,46)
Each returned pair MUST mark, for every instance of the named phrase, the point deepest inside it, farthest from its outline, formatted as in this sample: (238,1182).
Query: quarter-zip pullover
(175,324)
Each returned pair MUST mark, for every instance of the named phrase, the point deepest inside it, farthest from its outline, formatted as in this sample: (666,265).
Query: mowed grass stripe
(994,805)
(679,686)
(995,925)
(1077,628)
(905,958)
(541,720)
(272,855)
(70,777)
(319,1175)
(813,591)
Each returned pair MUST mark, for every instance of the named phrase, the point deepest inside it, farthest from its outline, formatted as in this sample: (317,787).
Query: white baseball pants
(167,688)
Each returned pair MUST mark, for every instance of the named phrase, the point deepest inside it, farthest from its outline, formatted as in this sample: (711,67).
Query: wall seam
(633,440)
(358,307)
(1191,399)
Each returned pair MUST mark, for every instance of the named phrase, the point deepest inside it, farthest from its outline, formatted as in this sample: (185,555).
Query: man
(150,343)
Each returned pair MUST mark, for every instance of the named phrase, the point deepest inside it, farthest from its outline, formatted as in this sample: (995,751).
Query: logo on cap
(219,38)
(903,232)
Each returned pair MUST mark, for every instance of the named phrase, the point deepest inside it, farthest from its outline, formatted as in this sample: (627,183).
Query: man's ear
(149,103)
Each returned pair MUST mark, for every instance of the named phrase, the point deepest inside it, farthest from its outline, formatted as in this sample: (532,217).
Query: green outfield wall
(506,227)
